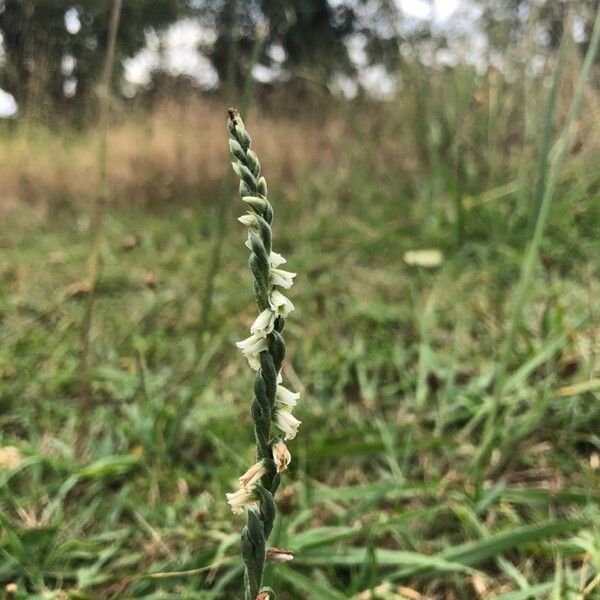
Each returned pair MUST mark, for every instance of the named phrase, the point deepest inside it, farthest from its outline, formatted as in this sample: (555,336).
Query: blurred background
(434,169)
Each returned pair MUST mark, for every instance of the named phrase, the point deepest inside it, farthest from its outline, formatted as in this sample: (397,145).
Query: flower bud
(253,162)
(261,186)
(249,220)
(237,150)
(279,555)
(255,202)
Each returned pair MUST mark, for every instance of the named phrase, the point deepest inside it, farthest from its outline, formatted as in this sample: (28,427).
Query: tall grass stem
(99,210)
(554,161)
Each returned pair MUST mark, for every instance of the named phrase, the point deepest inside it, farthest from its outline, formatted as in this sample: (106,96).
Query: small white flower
(240,499)
(276,260)
(286,421)
(282,278)
(249,220)
(252,475)
(252,345)
(281,456)
(286,397)
(253,361)
(264,323)
(280,304)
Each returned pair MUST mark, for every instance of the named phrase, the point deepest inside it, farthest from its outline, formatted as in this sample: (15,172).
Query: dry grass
(175,151)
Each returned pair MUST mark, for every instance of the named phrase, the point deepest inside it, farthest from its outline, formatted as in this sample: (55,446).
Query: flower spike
(264,349)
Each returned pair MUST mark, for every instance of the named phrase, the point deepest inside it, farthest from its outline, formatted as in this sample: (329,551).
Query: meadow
(450,446)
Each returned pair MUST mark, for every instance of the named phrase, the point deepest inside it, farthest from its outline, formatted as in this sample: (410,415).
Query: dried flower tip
(252,475)
(237,129)
(240,499)
(281,456)
(279,555)
(286,421)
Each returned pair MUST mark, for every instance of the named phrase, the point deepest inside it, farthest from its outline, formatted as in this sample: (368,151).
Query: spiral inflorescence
(272,403)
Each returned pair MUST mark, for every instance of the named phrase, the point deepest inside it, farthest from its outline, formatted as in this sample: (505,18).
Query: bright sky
(421,9)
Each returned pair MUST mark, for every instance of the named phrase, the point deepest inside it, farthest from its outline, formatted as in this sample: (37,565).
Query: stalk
(223,208)
(272,403)
(101,201)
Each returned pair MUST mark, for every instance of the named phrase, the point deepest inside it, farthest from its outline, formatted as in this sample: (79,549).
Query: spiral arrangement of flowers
(272,402)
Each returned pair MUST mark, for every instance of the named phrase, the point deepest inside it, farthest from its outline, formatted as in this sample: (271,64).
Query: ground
(121,493)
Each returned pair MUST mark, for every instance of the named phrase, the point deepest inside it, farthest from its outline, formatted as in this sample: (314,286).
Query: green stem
(99,206)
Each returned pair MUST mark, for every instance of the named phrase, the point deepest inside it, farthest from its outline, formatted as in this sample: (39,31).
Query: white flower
(253,361)
(281,456)
(282,278)
(252,475)
(249,220)
(279,378)
(240,499)
(280,304)
(264,323)
(286,397)
(286,421)
(276,260)
(252,345)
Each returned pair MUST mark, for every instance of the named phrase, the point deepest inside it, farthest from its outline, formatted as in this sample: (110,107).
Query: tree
(52,42)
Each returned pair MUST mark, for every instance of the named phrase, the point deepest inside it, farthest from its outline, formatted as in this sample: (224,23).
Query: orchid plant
(273,403)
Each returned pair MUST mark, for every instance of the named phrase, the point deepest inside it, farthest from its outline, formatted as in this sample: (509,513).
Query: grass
(397,364)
